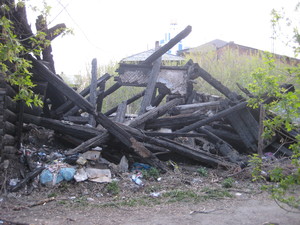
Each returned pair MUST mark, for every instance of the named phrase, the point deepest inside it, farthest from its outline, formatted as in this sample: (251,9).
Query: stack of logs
(206,129)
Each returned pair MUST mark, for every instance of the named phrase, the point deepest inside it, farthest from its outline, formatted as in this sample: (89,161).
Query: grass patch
(52,195)
(215,193)
(180,195)
(151,174)
(228,183)
(112,188)
(202,171)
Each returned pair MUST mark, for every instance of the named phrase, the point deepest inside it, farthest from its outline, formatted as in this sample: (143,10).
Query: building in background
(220,48)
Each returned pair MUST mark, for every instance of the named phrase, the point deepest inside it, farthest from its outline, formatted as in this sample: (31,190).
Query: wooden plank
(184,33)
(10,116)
(77,119)
(10,104)
(9,128)
(120,116)
(69,104)
(100,97)
(150,89)
(129,101)
(175,122)
(217,116)
(189,108)
(9,150)
(184,150)
(82,132)
(59,85)
(223,147)
(112,89)
(213,82)
(154,113)
(9,140)
(240,127)
(260,145)
(93,87)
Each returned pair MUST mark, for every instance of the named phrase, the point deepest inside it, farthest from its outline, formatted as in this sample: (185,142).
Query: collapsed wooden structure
(207,129)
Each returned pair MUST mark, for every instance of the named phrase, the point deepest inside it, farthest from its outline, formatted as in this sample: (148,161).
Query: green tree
(267,82)
(15,44)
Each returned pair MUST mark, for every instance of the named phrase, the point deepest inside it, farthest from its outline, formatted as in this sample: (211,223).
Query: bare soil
(184,197)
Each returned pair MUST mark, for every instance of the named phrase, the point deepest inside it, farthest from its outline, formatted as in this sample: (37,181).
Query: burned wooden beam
(68,105)
(184,33)
(150,89)
(198,71)
(112,89)
(189,108)
(154,113)
(184,150)
(217,116)
(74,130)
(93,94)
(223,147)
(120,116)
(175,122)
(129,101)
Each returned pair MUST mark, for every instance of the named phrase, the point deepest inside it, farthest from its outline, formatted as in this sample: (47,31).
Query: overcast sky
(110,30)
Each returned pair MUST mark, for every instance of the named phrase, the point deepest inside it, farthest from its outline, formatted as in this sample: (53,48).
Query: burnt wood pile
(174,120)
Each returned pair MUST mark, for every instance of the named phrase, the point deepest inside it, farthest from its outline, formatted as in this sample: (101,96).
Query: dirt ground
(182,197)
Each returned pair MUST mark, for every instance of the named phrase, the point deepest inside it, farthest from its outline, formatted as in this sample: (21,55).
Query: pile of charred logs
(174,120)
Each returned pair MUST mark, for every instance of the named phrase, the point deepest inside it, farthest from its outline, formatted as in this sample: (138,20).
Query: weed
(52,195)
(113,188)
(228,182)
(62,202)
(256,163)
(179,195)
(216,193)
(152,173)
(202,172)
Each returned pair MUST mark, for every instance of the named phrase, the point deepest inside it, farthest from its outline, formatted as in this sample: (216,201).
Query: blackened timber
(9,140)
(197,70)
(129,101)
(188,108)
(150,89)
(59,85)
(129,141)
(100,97)
(77,119)
(226,135)
(175,122)
(184,33)
(158,99)
(173,135)
(154,113)
(223,147)
(68,105)
(184,150)
(112,89)
(251,124)
(120,116)
(241,128)
(74,130)
(93,87)
(98,140)
(217,116)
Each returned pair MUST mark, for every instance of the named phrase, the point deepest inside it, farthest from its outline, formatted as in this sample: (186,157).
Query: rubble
(204,129)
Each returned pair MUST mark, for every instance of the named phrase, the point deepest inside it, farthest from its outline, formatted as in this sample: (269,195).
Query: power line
(82,31)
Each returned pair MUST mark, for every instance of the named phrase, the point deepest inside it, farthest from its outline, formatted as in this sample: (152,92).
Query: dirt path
(237,211)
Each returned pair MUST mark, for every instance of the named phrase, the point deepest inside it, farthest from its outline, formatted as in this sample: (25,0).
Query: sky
(110,30)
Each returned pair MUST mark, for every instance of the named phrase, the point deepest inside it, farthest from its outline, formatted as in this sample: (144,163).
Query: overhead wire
(64,8)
